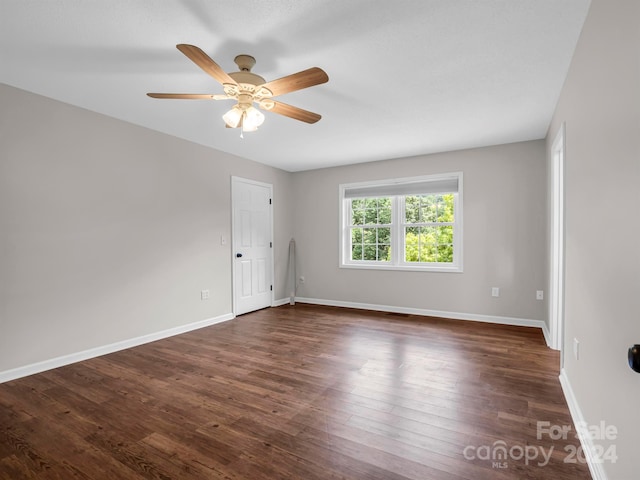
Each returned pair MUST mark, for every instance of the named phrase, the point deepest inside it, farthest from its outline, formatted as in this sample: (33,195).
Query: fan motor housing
(247,77)
(245,64)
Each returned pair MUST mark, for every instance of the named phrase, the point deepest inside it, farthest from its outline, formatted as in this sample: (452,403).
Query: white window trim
(397,261)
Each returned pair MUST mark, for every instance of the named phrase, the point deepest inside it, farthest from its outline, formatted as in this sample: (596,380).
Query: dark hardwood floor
(300,392)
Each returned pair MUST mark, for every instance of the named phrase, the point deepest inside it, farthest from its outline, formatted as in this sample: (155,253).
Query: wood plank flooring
(298,392)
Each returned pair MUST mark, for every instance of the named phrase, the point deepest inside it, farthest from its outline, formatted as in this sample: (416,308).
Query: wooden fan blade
(297,81)
(203,60)
(188,96)
(294,112)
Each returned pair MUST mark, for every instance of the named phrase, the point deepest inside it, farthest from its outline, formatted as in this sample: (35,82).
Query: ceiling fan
(248,88)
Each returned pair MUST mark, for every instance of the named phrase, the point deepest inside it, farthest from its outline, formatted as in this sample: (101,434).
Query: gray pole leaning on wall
(292,272)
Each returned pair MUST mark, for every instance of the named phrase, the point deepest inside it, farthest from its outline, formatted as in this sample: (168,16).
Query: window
(403,224)
(371,229)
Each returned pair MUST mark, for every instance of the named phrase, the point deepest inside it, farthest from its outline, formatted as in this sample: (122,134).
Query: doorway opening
(556,286)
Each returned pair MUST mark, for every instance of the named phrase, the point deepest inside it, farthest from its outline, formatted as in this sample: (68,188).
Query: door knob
(238,255)
(634,358)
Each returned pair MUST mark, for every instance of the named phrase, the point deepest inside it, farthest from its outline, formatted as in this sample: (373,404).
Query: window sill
(405,268)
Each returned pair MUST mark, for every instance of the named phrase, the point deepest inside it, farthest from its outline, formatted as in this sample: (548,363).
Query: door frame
(557,246)
(234,180)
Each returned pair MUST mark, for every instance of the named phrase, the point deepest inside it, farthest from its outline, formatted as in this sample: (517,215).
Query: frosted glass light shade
(253,118)
(233,117)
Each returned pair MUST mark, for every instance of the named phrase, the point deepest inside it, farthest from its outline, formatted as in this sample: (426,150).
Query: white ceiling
(406,77)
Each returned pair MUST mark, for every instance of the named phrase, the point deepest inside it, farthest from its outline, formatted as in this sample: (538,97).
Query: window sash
(353,226)
(403,225)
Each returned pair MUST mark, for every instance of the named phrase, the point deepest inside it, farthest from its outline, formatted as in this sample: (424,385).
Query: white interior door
(252,245)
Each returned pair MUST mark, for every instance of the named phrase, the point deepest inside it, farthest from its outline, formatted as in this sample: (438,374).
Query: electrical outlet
(205,295)
(576,348)
(223,240)
(539,295)
(495,291)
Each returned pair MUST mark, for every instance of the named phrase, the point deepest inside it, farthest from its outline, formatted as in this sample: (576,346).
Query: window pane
(370,216)
(369,235)
(384,202)
(356,252)
(384,253)
(371,203)
(445,253)
(384,235)
(357,217)
(370,252)
(357,203)
(428,234)
(428,211)
(356,235)
(444,234)
(412,209)
(429,199)
(445,208)
(429,252)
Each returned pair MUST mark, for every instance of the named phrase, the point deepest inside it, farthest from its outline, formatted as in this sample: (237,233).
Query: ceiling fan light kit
(248,118)
(248,88)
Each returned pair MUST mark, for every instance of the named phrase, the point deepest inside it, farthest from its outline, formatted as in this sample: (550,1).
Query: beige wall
(109,231)
(600,104)
(504,235)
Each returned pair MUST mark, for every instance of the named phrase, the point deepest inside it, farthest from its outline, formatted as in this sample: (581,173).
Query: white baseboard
(588,447)
(547,334)
(27,370)
(522,322)
(280,302)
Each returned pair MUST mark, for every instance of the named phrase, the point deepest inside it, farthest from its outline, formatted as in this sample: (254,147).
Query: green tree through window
(371,229)
(428,228)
